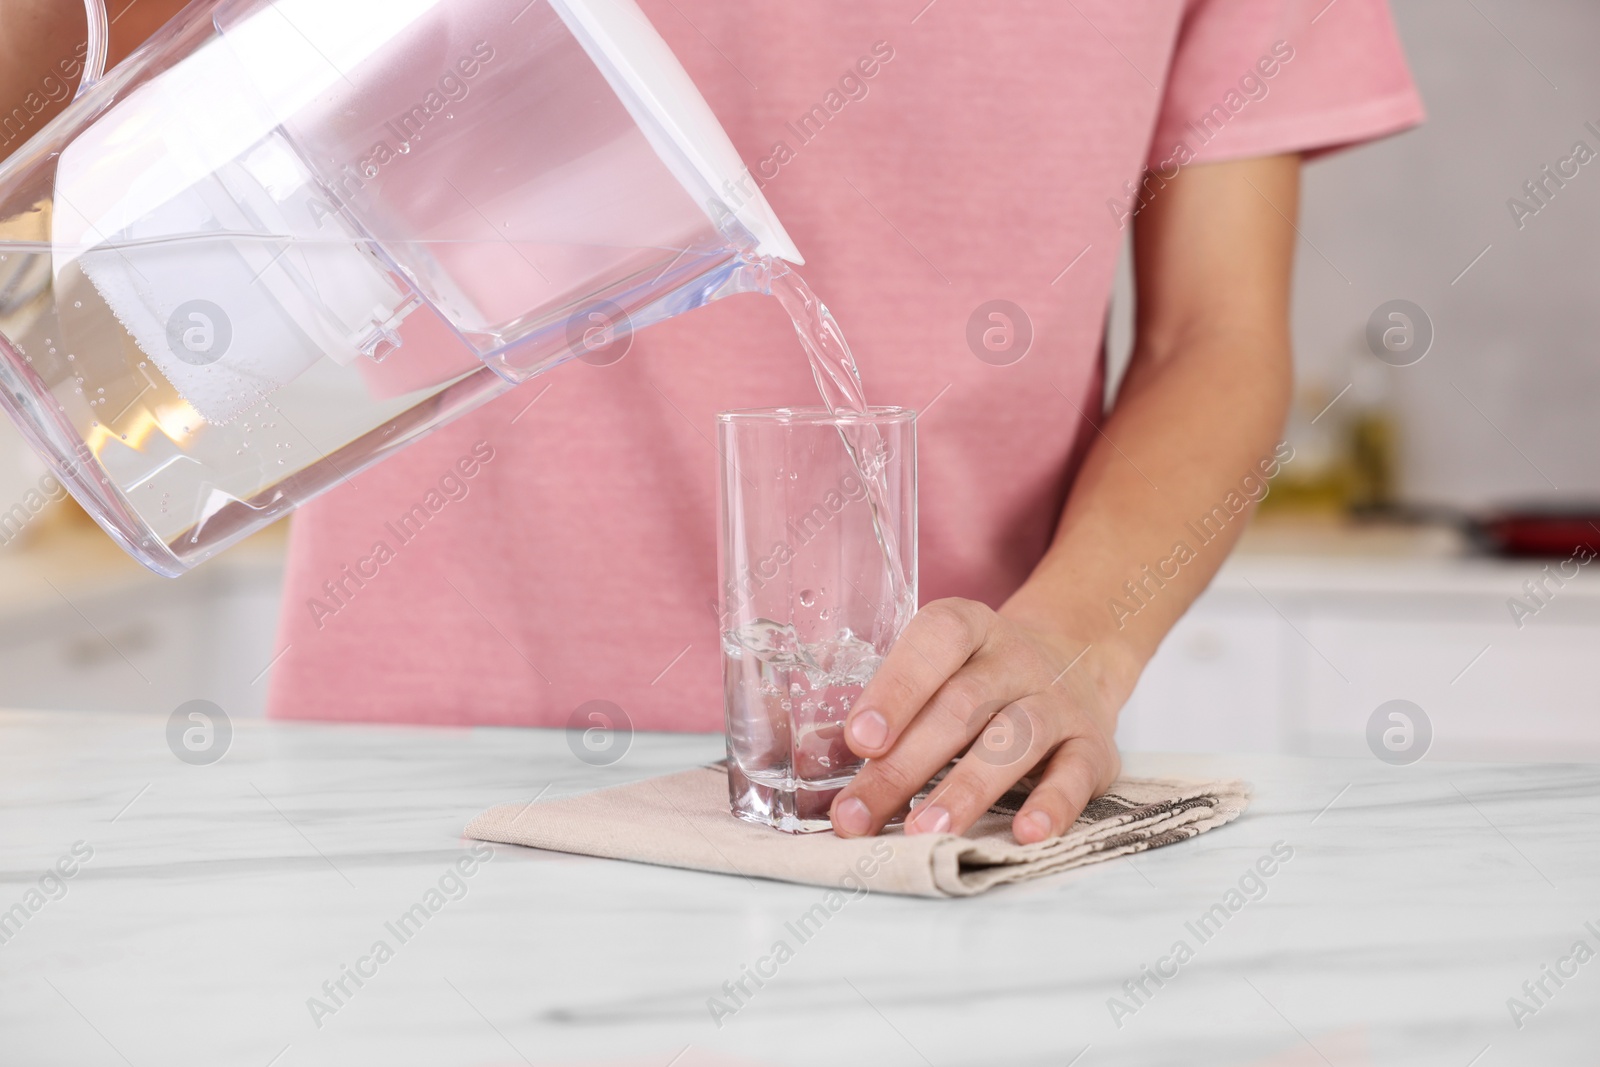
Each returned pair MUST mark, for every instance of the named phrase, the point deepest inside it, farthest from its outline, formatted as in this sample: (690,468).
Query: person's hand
(1027,701)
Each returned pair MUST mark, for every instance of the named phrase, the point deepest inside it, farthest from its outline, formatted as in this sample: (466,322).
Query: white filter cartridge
(239,284)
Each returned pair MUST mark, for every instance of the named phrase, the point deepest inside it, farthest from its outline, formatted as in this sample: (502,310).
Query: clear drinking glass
(817,564)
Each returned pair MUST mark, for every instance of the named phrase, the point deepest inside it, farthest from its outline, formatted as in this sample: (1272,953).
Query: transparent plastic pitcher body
(286,237)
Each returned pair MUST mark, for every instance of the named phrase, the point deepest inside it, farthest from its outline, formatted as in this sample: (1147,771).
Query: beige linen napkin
(682,820)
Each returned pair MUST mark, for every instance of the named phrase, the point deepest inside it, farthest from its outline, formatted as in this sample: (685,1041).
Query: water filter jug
(286,237)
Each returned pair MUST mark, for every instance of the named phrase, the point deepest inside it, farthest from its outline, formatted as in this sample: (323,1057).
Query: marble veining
(220,904)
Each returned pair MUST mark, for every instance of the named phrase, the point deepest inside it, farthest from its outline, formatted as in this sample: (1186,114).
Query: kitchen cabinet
(1302,637)
(82,627)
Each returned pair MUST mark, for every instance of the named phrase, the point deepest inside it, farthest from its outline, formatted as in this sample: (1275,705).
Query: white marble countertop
(218,900)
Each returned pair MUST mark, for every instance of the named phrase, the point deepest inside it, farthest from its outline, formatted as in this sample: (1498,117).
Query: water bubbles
(796,689)
(808,597)
(77,303)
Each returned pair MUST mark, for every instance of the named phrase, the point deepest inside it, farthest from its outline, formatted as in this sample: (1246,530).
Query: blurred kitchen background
(1356,585)
(1361,581)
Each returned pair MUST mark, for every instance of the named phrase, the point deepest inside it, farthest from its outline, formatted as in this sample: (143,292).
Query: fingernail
(931,820)
(1039,823)
(852,817)
(869,729)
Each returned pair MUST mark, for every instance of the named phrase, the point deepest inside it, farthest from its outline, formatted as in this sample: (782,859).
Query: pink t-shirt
(991,155)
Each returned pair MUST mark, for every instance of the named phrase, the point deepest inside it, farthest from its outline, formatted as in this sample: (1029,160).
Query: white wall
(1402,219)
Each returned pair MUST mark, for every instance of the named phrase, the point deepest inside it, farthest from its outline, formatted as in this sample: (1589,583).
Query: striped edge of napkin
(682,820)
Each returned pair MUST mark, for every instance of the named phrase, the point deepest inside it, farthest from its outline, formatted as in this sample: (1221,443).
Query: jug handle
(94,60)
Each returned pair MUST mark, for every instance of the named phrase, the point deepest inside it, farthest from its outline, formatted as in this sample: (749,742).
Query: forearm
(1161,498)
(1174,471)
